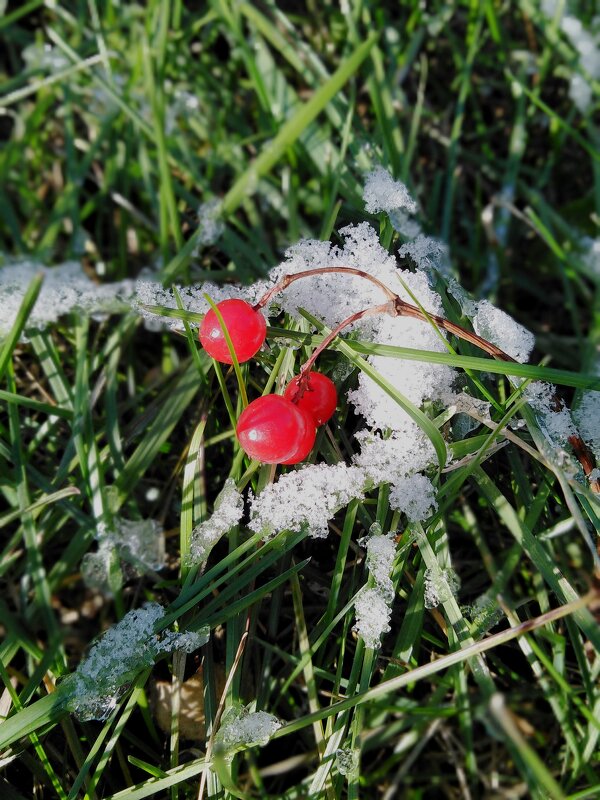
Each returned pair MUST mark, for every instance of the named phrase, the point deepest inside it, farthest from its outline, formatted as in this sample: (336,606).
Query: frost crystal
(413,496)
(587,45)
(587,417)
(385,460)
(485,612)
(404,224)
(347,761)
(65,288)
(139,542)
(242,728)
(383,193)
(150,292)
(306,499)
(373,616)
(211,225)
(501,329)
(427,253)
(381,551)
(373,605)
(118,656)
(228,511)
(440,586)
(591,257)
(555,423)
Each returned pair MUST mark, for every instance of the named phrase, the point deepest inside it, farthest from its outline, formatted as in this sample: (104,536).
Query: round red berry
(246,327)
(306,442)
(318,397)
(272,430)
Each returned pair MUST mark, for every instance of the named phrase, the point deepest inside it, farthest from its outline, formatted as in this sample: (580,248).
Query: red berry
(246,327)
(272,430)
(319,397)
(307,441)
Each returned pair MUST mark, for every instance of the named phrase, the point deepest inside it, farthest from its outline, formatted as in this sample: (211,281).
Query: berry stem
(281,285)
(397,307)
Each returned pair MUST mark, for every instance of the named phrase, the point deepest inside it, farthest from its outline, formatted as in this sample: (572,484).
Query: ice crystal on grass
(440,586)
(383,193)
(384,460)
(306,499)
(228,511)
(502,330)
(406,226)
(115,660)
(381,551)
(242,728)
(586,42)
(587,417)
(485,612)
(66,288)
(373,604)
(555,421)
(591,256)
(210,224)
(413,496)
(139,542)
(427,253)
(373,616)
(347,761)
(150,292)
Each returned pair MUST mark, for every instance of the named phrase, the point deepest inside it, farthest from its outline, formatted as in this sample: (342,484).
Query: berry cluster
(281,430)
(273,429)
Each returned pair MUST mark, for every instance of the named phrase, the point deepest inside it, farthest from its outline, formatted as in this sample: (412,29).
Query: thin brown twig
(395,306)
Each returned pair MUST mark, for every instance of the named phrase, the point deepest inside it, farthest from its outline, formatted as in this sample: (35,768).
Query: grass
(112,140)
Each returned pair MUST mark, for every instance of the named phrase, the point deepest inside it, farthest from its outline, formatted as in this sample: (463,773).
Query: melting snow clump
(242,728)
(587,45)
(131,645)
(440,586)
(210,223)
(139,542)
(66,288)
(555,423)
(228,511)
(587,417)
(347,761)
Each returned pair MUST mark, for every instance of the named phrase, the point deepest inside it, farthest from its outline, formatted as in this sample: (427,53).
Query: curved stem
(395,306)
(404,309)
(385,308)
(289,279)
